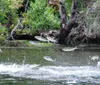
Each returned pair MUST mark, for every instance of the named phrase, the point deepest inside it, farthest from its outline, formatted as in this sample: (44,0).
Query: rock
(0,51)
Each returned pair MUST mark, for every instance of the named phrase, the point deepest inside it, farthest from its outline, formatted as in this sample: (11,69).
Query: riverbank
(24,43)
(84,28)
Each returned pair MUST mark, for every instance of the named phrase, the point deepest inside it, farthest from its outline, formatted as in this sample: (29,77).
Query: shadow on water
(50,66)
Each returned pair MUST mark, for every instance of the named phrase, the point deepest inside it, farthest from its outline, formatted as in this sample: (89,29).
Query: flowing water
(49,66)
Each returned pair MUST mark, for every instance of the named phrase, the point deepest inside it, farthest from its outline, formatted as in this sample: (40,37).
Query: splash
(73,74)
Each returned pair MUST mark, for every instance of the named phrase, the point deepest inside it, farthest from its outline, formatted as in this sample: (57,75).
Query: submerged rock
(0,51)
(69,48)
(96,57)
(34,43)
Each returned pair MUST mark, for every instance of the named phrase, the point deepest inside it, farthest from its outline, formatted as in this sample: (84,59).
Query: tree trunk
(63,25)
(67,26)
(9,22)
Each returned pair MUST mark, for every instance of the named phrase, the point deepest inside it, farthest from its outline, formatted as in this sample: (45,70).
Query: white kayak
(69,48)
(50,39)
(40,38)
(47,39)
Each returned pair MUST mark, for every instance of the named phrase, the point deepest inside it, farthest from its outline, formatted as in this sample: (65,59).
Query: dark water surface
(49,66)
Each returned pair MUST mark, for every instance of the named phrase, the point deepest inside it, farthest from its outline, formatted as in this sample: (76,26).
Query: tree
(66,26)
(82,26)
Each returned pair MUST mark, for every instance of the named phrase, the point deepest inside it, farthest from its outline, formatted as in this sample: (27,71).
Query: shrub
(9,8)
(42,17)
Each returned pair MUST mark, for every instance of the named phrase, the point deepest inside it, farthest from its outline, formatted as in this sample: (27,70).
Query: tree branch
(13,30)
(26,6)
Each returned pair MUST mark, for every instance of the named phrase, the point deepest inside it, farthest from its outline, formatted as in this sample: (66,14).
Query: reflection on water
(49,66)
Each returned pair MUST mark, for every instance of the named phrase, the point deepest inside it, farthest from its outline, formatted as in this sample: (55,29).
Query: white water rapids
(73,74)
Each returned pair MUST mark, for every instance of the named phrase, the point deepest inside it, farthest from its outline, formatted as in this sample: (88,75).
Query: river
(49,66)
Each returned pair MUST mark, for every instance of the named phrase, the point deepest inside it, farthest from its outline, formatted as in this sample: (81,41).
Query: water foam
(53,73)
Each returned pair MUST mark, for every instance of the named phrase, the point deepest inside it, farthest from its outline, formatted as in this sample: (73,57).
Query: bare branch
(13,30)
(74,8)
(26,6)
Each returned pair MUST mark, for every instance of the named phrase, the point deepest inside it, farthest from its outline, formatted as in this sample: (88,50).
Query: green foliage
(68,4)
(42,17)
(3,34)
(39,15)
(3,10)
(7,7)
(3,31)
